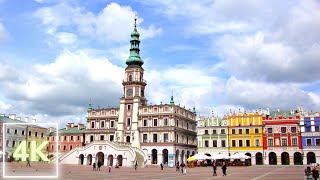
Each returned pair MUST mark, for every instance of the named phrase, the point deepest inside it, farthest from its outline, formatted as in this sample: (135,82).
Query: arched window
(130,77)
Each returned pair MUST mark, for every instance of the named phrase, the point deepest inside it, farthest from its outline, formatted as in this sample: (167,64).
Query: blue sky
(216,55)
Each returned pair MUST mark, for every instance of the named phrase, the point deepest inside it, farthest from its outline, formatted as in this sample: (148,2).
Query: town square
(160,90)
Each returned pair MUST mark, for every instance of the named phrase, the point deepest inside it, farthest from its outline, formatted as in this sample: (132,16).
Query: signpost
(171,161)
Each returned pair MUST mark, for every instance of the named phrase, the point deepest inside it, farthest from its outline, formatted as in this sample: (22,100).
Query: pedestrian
(182,165)
(161,165)
(214,167)
(109,169)
(315,173)
(177,167)
(224,169)
(99,165)
(28,162)
(94,166)
(136,165)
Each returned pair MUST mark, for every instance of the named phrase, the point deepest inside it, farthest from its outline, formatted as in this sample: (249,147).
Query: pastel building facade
(282,139)
(213,135)
(310,133)
(245,135)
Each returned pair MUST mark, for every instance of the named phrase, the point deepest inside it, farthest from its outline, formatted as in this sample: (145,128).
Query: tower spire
(134,58)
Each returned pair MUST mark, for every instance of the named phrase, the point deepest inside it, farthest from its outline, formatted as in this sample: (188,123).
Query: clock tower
(133,94)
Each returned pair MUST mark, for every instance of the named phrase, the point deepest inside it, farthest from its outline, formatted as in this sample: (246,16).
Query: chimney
(12,116)
(33,120)
(80,126)
(26,119)
(71,125)
(68,126)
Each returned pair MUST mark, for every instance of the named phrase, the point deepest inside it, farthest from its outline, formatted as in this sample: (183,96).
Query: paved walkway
(154,173)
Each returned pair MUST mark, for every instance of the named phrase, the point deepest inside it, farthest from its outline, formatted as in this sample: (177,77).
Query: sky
(215,55)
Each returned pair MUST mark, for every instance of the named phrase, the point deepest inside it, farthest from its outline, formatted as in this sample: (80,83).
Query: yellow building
(245,135)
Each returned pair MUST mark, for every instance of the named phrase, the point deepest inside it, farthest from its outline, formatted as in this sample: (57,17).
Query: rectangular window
(112,124)
(187,125)
(52,147)
(102,137)
(308,129)
(78,138)
(91,138)
(129,107)
(22,132)
(15,131)
(270,142)
(294,142)
(165,123)
(214,143)
(257,143)
(206,132)
(309,142)
(102,124)
(177,122)
(165,137)
(223,131)
(206,143)
(92,125)
(214,131)
(71,138)
(42,135)
(316,128)
(128,121)
(155,122)
(269,130)
(36,134)
(283,129)
(247,131)
(256,130)
(317,142)
(247,143)
(233,131)
(240,131)
(111,137)
(8,130)
(145,122)
(240,143)
(223,143)
(293,129)
(13,143)
(65,138)
(58,147)
(155,137)
(233,143)
(70,147)
(64,147)
(284,142)
(7,143)
(145,138)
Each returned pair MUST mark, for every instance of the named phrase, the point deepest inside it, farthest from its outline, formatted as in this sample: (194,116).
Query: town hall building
(136,131)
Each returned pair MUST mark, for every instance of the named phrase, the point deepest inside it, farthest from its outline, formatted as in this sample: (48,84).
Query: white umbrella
(239,156)
(219,156)
(201,157)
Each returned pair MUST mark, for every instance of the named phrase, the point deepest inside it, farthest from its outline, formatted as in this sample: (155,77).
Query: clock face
(129,92)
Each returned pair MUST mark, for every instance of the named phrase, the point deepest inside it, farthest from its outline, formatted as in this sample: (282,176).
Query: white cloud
(66,38)
(66,85)
(113,24)
(257,94)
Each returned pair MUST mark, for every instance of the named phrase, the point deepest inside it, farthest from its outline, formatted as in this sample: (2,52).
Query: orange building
(69,138)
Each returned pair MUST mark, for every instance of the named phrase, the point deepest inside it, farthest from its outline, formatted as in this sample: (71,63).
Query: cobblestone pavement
(154,172)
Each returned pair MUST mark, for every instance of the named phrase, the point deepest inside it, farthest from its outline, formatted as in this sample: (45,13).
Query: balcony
(133,81)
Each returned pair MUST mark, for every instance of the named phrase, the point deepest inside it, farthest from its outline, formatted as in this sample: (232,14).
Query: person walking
(182,165)
(136,165)
(224,169)
(94,166)
(99,165)
(109,169)
(214,167)
(28,162)
(161,165)
(177,166)
(315,173)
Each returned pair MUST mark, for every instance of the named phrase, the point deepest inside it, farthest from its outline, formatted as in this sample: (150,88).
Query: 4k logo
(21,151)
